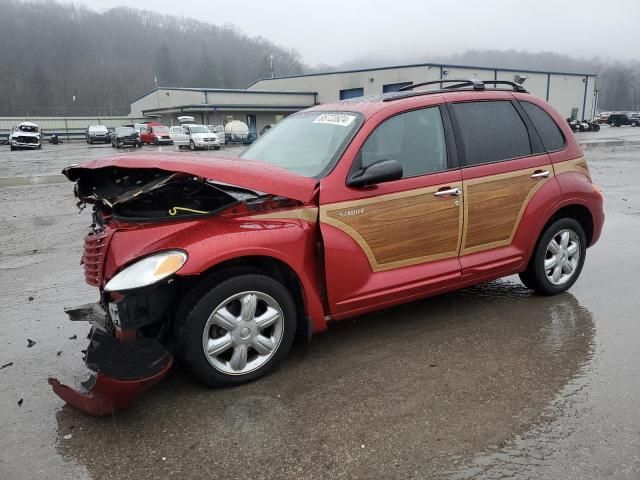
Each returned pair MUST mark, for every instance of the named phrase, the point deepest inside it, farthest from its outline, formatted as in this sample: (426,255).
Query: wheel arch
(308,321)
(569,209)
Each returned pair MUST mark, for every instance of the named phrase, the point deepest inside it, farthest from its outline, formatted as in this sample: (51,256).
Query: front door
(393,241)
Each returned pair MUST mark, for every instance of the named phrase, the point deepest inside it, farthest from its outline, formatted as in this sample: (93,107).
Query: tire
(192,145)
(155,142)
(118,144)
(634,124)
(217,147)
(542,280)
(12,148)
(139,145)
(194,328)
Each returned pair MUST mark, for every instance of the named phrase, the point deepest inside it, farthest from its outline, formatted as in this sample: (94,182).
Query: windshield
(97,128)
(198,129)
(28,128)
(161,129)
(125,130)
(306,143)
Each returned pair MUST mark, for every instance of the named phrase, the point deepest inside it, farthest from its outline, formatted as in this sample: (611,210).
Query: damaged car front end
(147,213)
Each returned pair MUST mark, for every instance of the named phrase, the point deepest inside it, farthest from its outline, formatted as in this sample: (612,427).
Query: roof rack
(464,82)
(477,85)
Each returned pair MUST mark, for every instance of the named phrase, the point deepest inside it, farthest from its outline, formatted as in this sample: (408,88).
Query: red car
(156,134)
(342,209)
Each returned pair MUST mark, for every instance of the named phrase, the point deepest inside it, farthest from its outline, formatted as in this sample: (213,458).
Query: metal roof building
(268,100)
(572,94)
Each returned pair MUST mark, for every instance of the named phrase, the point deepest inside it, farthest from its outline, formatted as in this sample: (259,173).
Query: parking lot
(489,382)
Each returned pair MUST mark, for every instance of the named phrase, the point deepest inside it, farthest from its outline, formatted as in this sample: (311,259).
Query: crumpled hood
(248,174)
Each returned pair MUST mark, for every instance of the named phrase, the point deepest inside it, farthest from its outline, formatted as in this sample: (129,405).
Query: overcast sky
(336,31)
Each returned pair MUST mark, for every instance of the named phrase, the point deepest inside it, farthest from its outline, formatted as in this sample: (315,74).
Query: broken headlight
(147,271)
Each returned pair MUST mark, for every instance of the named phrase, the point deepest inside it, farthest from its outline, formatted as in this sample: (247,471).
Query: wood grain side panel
(576,165)
(400,229)
(494,207)
(309,214)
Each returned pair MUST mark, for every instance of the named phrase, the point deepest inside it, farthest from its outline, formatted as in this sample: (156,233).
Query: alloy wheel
(243,333)
(562,257)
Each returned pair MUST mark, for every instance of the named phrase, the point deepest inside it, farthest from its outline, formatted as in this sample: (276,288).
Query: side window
(548,130)
(490,131)
(415,139)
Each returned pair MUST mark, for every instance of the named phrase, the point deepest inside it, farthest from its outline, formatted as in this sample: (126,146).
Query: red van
(341,209)
(155,134)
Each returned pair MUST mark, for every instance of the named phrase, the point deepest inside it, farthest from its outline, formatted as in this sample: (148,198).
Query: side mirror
(379,172)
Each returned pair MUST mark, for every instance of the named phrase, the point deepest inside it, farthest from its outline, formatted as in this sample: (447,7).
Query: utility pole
(271,58)
(155,79)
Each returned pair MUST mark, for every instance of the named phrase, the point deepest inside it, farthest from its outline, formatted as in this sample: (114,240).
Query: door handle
(540,174)
(448,191)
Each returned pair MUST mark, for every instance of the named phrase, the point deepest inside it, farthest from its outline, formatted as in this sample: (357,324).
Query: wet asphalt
(488,382)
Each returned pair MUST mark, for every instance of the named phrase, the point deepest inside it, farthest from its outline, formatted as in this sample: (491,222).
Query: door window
(414,139)
(490,131)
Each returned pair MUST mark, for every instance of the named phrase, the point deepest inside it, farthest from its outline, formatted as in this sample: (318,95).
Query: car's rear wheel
(558,258)
(237,331)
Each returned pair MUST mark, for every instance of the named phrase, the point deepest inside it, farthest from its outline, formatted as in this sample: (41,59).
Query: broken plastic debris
(30,343)
(73,337)
(67,436)
(6,365)
(20,402)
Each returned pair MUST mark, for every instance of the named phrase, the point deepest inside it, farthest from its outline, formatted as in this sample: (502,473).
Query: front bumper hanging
(123,369)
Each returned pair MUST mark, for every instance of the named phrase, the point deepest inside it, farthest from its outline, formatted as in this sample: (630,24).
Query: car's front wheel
(558,258)
(237,330)
(192,145)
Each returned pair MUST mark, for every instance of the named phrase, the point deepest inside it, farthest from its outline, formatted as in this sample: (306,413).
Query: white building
(268,100)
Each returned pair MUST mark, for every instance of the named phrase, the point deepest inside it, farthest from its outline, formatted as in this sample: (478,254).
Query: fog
(334,32)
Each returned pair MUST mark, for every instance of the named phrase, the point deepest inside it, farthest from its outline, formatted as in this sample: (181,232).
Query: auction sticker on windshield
(342,119)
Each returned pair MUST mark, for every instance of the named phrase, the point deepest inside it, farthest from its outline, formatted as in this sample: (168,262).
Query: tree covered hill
(62,59)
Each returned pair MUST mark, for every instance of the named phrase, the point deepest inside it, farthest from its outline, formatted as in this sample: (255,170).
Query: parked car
(619,119)
(97,133)
(157,134)
(343,209)
(602,117)
(200,137)
(123,136)
(179,136)
(634,119)
(25,135)
(138,127)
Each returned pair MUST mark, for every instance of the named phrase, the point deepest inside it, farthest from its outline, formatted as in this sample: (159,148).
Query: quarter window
(490,131)
(551,135)
(414,139)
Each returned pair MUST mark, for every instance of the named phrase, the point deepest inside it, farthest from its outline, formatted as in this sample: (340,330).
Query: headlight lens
(147,271)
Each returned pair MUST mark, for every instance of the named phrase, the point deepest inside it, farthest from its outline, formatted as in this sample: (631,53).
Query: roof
(222,90)
(413,65)
(370,105)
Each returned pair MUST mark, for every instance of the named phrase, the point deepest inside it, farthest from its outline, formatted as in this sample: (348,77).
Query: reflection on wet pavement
(439,378)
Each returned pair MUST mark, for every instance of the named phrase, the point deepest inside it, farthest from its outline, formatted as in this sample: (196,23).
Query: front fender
(212,241)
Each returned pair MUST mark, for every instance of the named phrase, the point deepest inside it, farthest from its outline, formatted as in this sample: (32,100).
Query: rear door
(503,165)
(393,241)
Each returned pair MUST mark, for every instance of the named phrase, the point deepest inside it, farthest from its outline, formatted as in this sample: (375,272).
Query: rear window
(490,131)
(549,132)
